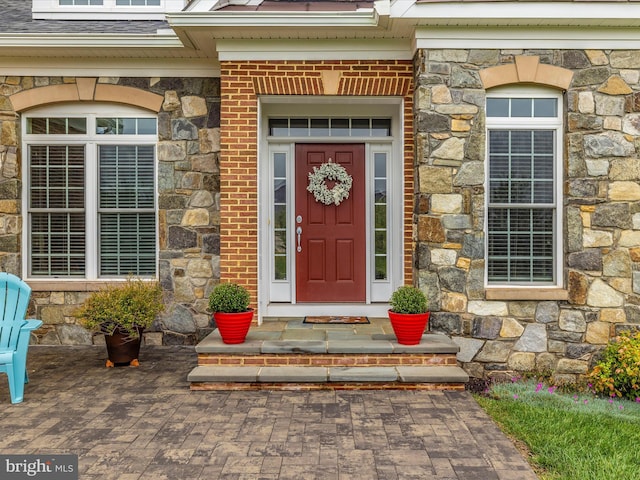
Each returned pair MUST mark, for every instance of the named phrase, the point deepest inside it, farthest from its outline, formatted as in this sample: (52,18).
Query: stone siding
(188,208)
(601,209)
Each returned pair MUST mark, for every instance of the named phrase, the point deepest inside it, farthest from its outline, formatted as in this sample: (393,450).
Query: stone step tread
(302,374)
(376,344)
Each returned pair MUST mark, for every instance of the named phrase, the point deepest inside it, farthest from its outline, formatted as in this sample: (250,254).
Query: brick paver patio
(144,423)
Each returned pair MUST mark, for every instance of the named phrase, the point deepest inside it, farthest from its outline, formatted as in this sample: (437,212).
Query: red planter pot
(233,327)
(408,327)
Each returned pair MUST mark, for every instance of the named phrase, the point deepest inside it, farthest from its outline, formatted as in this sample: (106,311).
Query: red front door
(331,258)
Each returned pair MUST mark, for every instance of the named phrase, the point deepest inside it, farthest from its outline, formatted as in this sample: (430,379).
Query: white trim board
(526,38)
(278,298)
(128,67)
(582,13)
(315,50)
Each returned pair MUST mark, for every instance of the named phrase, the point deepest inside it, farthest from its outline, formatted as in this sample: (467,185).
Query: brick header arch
(526,69)
(86,90)
(333,82)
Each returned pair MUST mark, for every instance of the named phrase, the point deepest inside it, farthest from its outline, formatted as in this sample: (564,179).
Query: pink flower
(538,387)
(637,399)
(552,389)
(515,396)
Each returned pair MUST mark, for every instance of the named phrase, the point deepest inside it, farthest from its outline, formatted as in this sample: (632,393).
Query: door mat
(335,319)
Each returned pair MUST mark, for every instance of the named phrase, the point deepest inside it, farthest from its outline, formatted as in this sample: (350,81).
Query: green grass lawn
(569,436)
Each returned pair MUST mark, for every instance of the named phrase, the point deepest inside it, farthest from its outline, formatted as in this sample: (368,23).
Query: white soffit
(527,38)
(370,49)
(520,14)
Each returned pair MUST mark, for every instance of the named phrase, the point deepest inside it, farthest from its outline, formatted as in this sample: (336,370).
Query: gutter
(164,39)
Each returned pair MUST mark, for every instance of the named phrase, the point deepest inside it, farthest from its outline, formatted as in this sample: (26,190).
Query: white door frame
(277,299)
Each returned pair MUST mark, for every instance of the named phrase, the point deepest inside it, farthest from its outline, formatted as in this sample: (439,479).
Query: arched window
(90,202)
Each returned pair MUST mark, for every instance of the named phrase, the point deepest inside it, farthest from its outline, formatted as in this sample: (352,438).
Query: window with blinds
(126,209)
(57,210)
(92,201)
(522,200)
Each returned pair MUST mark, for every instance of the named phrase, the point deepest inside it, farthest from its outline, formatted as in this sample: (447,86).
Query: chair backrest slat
(14,301)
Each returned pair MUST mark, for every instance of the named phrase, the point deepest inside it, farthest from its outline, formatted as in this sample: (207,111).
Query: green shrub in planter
(127,306)
(229,298)
(408,299)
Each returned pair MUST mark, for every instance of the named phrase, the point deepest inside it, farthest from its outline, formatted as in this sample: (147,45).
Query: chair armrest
(31,325)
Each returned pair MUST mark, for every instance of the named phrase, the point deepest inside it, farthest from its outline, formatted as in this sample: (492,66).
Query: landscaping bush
(618,372)
(229,298)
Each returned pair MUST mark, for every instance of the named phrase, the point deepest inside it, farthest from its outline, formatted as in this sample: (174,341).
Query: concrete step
(293,355)
(374,344)
(292,374)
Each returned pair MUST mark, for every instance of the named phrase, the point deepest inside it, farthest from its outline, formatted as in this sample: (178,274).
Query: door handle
(299,233)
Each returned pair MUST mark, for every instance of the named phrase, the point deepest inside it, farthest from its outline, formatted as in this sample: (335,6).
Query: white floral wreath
(330,171)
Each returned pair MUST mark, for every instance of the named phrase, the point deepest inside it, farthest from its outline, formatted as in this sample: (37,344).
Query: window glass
(126,126)
(280,212)
(135,3)
(545,107)
(319,127)
(56,126)
(80,2)
(361,127)
(381,127)
(62,203)
(522,204)
(521,107)
(299,127)
(340,127)
(497,107)
(57,203)
(330,127)
(380,214)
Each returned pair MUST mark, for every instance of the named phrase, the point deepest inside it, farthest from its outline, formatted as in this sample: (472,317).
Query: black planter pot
(123,349)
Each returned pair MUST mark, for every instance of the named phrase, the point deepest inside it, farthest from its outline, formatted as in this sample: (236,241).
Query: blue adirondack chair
(15,331)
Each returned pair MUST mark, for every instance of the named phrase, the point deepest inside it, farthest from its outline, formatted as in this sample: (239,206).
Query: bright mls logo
(50,467)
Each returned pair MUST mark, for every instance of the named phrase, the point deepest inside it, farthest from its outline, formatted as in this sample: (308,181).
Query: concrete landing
(289,354)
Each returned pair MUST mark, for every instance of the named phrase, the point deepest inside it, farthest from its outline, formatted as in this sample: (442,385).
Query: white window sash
(530,123)
(91,141)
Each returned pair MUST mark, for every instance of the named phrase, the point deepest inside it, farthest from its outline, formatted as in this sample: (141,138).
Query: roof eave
(520,14)
(337,20)
(70,40)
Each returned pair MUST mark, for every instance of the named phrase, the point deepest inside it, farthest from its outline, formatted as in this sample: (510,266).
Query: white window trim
(91,140)
(52,10)
(513,290)
(377,292)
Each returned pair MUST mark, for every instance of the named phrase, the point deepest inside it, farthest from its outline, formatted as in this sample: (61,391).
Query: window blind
(126,210)
(521,210)
(57,210)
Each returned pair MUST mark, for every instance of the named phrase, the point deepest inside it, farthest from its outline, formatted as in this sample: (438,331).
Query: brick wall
(241,84)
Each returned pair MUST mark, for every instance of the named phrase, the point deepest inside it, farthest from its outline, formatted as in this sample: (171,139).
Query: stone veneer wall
(188,202)
(601,207)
